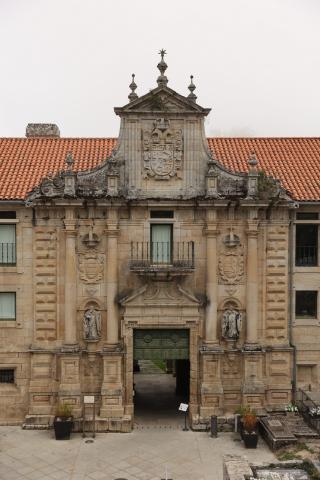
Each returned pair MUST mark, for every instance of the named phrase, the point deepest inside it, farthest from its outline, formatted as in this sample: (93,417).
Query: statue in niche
(231,324)
(92,324)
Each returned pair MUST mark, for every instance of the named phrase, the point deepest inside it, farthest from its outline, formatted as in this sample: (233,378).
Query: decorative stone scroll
(163,148)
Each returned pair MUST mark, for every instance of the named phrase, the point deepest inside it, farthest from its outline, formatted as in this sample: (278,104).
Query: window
(161,243)
(7,306)
(4,214)
(306,304)
(6,375)
(307,216)
(161,214)
(7,244)
(306,245)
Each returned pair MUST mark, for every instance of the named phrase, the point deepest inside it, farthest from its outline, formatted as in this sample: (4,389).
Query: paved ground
(157,443)
(156,393)
(141,455)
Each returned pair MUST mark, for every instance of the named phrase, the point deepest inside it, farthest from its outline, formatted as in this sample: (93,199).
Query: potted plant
(63,422)
(250,433)
(241,412)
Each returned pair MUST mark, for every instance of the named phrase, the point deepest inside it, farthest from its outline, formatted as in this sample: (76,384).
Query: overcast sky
(256,63)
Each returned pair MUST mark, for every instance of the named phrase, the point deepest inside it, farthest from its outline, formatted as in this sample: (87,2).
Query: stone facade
(85,280)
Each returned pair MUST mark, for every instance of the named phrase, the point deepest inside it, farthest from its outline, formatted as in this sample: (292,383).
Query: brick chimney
(42,130)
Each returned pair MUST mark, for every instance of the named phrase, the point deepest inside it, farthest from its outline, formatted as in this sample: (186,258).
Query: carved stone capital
(252,228)
(112,231)
(211,230)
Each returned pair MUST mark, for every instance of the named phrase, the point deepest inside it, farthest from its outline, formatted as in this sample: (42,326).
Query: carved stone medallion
(91,267)
(162,149)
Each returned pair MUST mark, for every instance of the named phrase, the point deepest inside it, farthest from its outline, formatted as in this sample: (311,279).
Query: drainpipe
(291,259)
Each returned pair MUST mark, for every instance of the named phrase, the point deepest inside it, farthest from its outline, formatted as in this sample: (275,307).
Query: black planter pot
(62,427)
(250,439)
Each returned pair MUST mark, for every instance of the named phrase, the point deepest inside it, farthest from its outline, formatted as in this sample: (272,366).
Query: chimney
(42,130)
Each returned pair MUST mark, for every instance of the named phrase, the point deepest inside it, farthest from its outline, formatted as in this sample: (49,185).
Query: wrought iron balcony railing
(307,256)
(7,253)
(162,256)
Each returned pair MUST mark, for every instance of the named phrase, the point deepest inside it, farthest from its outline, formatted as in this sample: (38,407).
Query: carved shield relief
(91,267)
(231,267)
(162,150)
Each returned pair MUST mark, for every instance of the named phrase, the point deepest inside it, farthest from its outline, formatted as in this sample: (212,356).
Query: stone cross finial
(192,88)
(133,86)
(69,161)
(162,80)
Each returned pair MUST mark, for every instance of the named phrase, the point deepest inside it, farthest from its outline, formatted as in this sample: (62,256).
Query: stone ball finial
(69,161)
(133,86)
(253,162)
(162,80)
(192,88)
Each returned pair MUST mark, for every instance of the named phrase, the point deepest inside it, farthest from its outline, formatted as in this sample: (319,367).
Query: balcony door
(161,244)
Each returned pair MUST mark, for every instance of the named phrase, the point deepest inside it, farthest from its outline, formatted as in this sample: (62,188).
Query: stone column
(252,291)
(212,280)
(70,294)
(112,280)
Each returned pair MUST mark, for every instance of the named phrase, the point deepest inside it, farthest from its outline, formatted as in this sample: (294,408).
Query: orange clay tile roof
(25,161)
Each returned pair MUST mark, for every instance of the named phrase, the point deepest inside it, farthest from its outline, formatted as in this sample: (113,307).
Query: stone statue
(92,324)
(231,324)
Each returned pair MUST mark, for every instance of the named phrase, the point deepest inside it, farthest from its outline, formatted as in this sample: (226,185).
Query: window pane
(7,306)
(7,244)
(161,214)
(306,304)
(8,214)
(306,245)
(307,216)
(6,375)
(161,243)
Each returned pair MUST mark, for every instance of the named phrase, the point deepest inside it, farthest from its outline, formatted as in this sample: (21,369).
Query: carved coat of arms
(91,266)
(162,151)
(231,266)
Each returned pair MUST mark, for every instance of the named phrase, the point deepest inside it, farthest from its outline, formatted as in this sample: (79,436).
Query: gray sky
(256,63)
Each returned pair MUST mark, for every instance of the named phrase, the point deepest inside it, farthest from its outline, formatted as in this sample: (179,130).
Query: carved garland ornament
(162,151)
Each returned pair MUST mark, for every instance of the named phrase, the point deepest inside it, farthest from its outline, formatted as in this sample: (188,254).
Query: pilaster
(112,385)
(253,389)
(211,281)
(211,385)
(112,233)
(69,358)
(252,292)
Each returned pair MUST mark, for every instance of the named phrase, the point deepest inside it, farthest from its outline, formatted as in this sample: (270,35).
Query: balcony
(307,256)
(7,254)
(162,258)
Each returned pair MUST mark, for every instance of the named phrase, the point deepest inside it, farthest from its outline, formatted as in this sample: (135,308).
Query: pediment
(160,294)
(163,99)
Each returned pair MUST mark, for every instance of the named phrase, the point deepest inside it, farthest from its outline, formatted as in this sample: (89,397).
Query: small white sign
(183,407)
(88,399)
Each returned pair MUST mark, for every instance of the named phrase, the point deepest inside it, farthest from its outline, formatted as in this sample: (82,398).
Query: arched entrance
(161,374)
(161,324)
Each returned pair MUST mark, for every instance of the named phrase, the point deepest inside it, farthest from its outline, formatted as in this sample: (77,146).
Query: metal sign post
(183,407)
(89,400)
